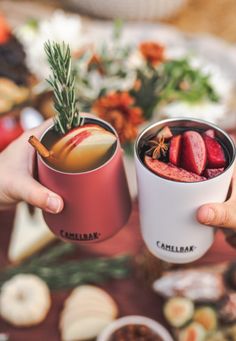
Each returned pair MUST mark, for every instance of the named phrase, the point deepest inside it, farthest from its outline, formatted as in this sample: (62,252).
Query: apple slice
(215,153)
(210,132)
(193,152)
(174,150)
(164,133)
(65,140)
(83,149)
(171,172)
(212,172)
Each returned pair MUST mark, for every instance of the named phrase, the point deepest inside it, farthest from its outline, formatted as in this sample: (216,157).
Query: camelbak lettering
(80,236)
(175,249)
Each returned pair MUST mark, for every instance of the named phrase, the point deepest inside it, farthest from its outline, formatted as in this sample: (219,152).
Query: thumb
(222,215)
(37,195)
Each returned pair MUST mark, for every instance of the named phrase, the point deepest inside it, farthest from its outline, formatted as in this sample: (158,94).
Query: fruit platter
(200,305)
(204,288)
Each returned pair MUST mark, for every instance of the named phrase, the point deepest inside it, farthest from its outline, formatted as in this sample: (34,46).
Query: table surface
(133,295)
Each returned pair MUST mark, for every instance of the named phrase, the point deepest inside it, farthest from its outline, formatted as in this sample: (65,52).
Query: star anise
(158,148)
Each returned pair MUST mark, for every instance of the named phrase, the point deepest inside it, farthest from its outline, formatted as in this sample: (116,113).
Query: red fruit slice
(215,153)
(174,151)
(193,152)
(171,172)
(210,132)
(212,172)
(164,133)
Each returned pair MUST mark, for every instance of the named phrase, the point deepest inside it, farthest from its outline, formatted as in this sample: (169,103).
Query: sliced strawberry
(212,172)
(193,152)
(211,133)
(171,172)
(215,153)
(164,133)
(174,151)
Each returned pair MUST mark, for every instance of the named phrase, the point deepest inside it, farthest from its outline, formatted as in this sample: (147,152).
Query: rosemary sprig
(70,273)
(62,82)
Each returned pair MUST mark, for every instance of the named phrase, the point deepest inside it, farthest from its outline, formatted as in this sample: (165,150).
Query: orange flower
(118,109)
(5,31)
(95,60)
(152,52)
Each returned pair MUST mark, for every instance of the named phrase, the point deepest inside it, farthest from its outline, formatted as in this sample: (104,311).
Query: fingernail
(53,204)
(209,215)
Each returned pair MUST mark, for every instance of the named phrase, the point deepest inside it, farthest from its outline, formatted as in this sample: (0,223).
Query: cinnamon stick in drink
(39,147)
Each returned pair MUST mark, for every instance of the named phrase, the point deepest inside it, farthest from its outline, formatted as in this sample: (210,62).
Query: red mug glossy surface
(97,203)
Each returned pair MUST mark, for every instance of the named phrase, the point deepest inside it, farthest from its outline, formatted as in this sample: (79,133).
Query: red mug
(97,203)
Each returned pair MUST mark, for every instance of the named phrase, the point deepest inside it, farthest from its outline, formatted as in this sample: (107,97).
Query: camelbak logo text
(175,249)
(83,237)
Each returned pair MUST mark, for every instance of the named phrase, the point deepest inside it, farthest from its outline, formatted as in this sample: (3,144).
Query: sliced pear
(92,303)
(86,302)
(72,315)
(91,296)
(85,328)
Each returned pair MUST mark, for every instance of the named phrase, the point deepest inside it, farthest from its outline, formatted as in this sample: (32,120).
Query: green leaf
(62,82)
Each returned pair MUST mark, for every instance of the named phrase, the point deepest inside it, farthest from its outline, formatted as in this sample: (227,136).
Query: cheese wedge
(30,234)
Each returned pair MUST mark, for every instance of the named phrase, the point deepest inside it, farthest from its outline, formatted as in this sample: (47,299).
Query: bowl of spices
(134,328)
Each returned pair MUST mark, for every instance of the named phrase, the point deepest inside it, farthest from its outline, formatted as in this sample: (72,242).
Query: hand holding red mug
(16,176)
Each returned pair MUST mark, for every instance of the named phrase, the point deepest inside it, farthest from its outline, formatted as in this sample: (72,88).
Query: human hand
(221,215)
(16,175)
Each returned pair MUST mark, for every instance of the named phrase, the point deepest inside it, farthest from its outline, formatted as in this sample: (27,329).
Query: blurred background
(146,60)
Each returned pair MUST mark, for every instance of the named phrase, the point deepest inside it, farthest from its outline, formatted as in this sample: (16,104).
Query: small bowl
(137,320)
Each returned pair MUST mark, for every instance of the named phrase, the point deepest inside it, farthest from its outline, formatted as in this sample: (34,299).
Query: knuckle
(36,197)
(223,217)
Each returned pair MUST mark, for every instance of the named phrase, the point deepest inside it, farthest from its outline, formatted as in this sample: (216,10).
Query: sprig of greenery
(70,273)
(151,83)
(62,82)
(180,81)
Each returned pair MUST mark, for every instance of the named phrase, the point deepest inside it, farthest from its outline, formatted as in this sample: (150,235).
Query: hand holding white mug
(220,215)
(16,176)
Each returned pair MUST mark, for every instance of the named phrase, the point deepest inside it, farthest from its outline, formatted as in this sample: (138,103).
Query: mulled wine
(185,154)
(181,165)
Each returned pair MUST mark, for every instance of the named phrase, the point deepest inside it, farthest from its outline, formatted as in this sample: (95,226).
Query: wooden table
(133,295)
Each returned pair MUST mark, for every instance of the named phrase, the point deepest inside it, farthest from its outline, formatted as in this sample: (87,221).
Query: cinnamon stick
(39,147)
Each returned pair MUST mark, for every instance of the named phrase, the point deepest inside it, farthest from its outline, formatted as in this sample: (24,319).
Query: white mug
(168,208)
